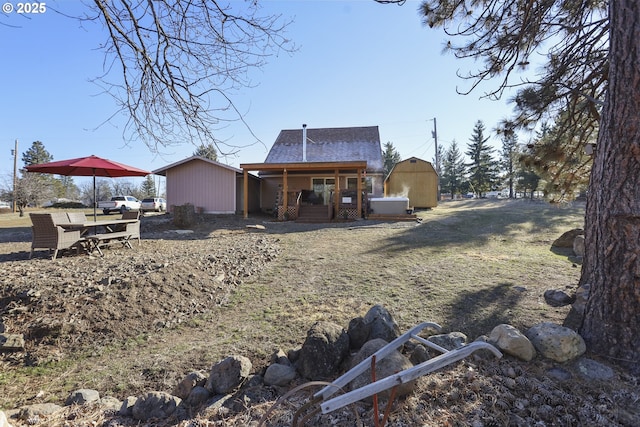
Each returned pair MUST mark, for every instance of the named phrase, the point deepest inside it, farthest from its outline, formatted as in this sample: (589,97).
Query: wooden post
(285,195)
(336,196)
(245,185)
(359,195)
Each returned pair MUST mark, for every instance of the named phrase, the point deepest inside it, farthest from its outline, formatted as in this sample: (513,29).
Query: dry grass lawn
(467,265)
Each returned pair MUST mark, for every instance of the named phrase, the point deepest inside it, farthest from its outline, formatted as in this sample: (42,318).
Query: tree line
(482,169)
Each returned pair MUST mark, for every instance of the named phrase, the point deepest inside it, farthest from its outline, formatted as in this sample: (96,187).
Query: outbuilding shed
(211,187)
(416,179)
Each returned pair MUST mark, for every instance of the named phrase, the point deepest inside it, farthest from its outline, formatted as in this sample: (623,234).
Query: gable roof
(411,160)
(163,170)
(329,145)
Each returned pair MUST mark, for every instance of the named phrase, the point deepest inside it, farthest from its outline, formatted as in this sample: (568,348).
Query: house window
(369,183)
(352,184)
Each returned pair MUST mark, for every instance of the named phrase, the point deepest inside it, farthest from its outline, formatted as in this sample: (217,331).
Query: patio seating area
(60,231)
(48,235)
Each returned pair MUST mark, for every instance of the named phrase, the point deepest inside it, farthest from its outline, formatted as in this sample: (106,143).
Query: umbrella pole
(95,201)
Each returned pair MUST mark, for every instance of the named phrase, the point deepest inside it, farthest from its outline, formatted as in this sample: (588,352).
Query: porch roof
(304,166)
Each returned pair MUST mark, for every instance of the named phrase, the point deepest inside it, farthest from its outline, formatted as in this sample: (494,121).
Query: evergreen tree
(560,160)
(148,187)
(527,181)
(36,154)
(509,160)
(453,170)
(390,157)
(483,169)
(35,188)
(208,151)
(591,50)
(65,188)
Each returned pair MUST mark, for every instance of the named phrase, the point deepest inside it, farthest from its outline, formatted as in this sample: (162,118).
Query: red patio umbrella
(88,166)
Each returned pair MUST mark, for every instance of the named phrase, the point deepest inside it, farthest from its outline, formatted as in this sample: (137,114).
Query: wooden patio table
(95,240)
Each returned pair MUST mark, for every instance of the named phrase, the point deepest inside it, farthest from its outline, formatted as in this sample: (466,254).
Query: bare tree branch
(173,66)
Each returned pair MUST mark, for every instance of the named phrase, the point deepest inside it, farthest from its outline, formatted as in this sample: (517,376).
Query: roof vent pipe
(304,142)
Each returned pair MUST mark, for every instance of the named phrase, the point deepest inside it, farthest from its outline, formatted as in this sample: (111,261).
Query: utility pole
(434,133)
(15,171)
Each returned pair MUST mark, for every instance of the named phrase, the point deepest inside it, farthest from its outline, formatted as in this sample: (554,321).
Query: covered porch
(336,186)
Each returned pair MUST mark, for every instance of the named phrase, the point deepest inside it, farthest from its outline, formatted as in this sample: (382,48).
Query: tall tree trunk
(611,324)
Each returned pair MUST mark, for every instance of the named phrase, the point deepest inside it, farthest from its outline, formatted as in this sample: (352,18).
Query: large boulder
(381,324)
(450,341)
(188,383)
(197,396)
(279,375)
(155,404)
(567,238)
(228,374)
(510,340)
(591,370)
(556,342)
(358,332)
(557,298)
(38,409)
(392,363)
(82,396)
(324,349)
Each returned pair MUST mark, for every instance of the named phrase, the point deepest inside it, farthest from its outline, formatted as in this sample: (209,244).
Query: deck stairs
(313,214)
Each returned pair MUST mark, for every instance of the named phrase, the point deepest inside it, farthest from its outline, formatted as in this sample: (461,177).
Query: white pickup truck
(119,204)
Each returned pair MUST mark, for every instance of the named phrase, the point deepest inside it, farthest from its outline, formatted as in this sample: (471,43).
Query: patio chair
(78,217)
(59,217)
(131,215)
(48,235)
(132,229)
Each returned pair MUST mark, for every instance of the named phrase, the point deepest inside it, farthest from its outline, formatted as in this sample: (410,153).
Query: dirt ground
(140,320)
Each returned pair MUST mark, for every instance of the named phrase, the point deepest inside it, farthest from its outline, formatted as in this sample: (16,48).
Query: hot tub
(389,205)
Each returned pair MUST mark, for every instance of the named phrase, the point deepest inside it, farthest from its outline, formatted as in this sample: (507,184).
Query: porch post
(285,194)
(336,196)
(245,185)
(359,195)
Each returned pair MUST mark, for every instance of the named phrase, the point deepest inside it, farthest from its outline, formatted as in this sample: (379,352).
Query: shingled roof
(330,145)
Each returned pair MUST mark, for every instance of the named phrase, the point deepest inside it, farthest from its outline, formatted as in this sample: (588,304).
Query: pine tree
(560,160)
(35,188)
(483,169)
(509,160)
(65,187)
(207,151)
(148,187)
(590,75)
(36,154)
(390,157)
(453,170)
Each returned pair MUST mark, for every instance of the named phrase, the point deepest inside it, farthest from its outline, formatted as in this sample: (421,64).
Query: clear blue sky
(359,63)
